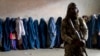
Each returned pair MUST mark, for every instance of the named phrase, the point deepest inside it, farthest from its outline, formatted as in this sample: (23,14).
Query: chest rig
(69,29)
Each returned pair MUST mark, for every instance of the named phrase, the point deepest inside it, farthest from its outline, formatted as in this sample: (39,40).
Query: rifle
(79,37)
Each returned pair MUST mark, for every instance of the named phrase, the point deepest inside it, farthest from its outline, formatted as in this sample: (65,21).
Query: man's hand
(78,43)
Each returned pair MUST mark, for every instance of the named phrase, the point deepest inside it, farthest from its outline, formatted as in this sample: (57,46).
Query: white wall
(45,8)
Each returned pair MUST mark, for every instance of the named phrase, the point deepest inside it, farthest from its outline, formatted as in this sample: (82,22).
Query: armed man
(74,32)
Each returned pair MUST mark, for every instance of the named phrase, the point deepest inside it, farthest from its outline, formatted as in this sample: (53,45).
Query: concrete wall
(45,8)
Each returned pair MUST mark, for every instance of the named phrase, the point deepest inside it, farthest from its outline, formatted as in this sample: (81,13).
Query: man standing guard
(74,32)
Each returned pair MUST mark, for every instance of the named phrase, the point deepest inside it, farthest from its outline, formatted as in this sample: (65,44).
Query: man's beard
(74,17)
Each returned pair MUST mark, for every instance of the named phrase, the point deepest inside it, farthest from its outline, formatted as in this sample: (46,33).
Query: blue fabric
(52,31)
(36,35)
(92,30)
(58,40)
(25,38)
(6,33)
(13,44)
(98,27)
(12,25)
(1,22)
(31,31)
(98,23)
(43,33)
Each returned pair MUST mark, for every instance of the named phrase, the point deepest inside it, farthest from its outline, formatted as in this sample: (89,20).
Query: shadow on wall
(45,8)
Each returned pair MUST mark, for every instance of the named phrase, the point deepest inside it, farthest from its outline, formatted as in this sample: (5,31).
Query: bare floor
(45,52)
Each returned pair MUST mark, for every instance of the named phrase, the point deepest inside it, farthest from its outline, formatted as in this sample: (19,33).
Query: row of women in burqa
(93,24)
(16,33)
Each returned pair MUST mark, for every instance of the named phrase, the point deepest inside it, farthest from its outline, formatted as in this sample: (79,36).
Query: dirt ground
(45,52)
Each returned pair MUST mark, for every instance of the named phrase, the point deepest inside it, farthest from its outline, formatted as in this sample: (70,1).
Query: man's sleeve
(84,29)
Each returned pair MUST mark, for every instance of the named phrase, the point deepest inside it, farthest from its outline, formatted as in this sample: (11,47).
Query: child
(13,40)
